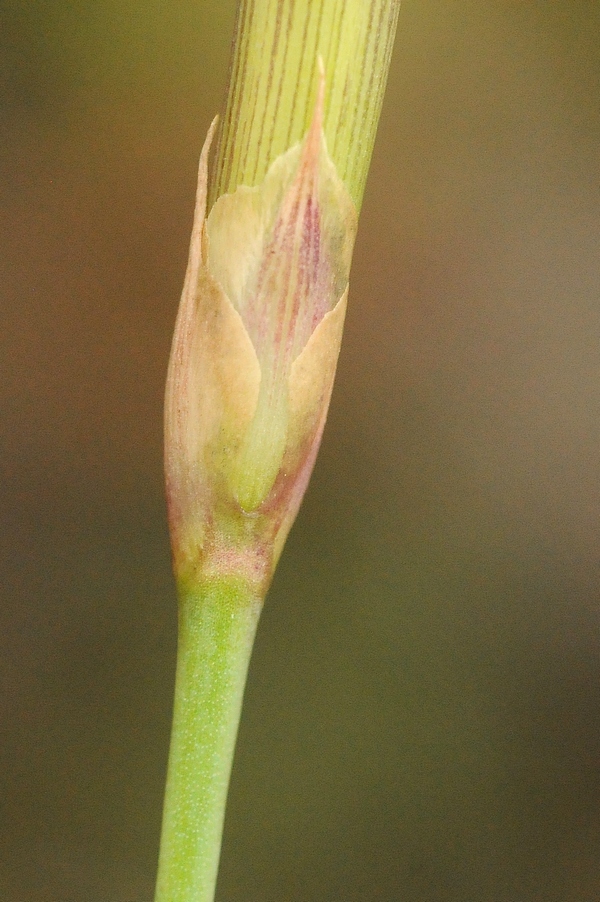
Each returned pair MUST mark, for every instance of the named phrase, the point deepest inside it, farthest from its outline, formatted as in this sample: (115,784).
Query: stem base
(217,625)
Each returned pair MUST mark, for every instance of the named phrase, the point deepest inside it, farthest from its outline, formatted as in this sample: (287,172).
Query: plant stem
(273,85)
(271,101)
(217,624)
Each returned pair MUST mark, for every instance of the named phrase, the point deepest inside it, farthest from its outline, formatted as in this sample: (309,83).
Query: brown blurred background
(422,722)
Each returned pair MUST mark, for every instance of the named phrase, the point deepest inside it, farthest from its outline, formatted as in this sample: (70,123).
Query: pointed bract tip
(203,167)
(321,68)
(313,138)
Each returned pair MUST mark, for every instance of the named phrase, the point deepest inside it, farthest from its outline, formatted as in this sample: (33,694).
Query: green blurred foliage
(422,719)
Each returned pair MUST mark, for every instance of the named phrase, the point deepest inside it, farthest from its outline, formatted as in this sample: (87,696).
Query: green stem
(217,624)
(271,100)
(274,80)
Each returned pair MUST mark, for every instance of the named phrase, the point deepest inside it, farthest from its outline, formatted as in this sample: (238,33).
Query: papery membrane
(256,344)
(282,253)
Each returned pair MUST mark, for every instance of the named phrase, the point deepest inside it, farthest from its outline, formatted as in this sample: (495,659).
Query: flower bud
(253,358)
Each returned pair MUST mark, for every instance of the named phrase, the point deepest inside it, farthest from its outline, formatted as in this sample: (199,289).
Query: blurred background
(422,721)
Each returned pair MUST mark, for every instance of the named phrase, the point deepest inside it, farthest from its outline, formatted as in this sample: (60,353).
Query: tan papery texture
(311,379)
(239,224)
(212,382)
(229,373)
(214,377)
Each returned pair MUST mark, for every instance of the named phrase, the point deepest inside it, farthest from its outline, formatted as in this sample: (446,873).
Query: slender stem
(274,80)
(271,100)
(217,624)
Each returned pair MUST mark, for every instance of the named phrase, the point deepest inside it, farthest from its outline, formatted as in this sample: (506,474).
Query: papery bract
(253,358)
